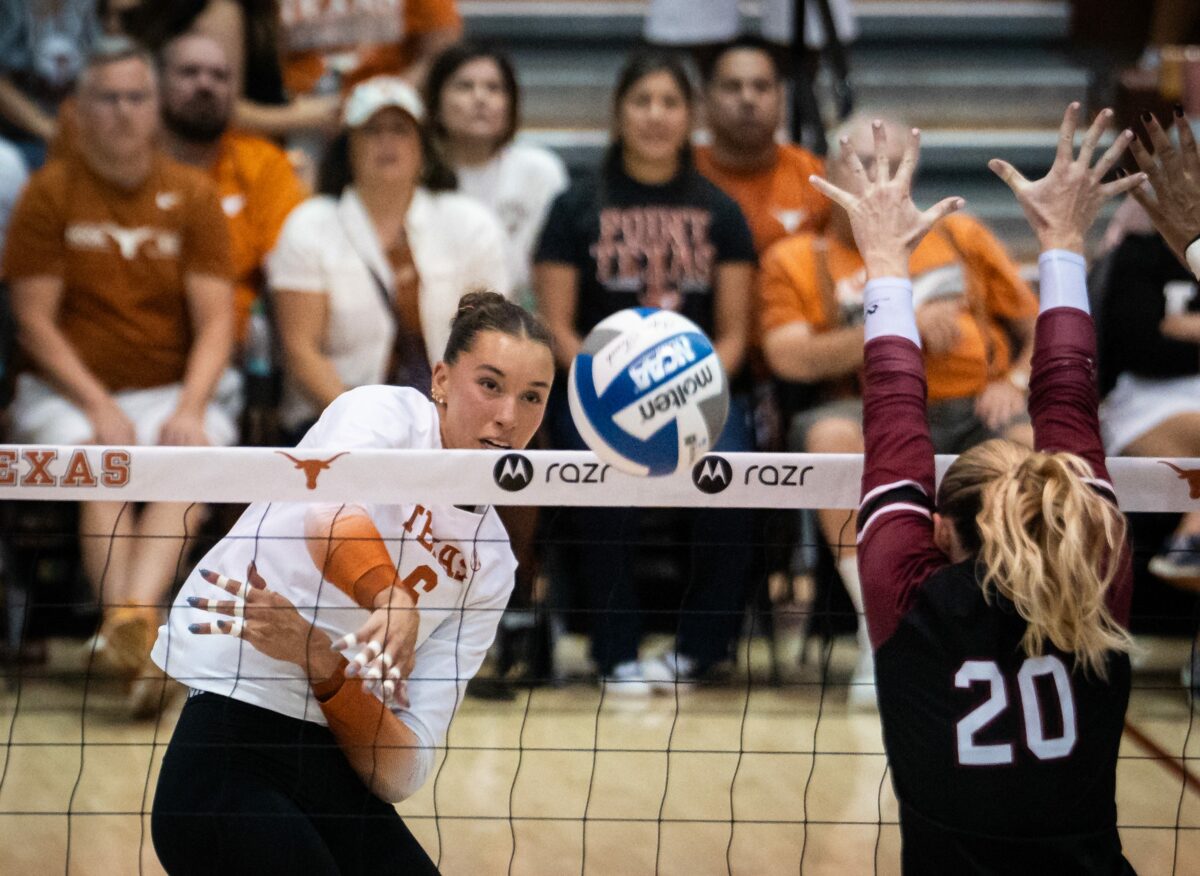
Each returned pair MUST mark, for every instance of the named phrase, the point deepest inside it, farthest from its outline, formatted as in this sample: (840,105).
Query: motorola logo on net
(513,472)
(712,474)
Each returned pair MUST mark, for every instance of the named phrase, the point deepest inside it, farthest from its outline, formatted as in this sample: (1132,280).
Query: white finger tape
(347,641)
(374,649)
(1193,257)
(387,659)
(235,628)
(222,582)
(239,609)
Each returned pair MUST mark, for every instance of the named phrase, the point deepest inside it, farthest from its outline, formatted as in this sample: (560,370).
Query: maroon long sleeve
(896,552)
(1064,408)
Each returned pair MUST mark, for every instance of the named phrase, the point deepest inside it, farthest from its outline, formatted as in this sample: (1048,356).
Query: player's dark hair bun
(478,300)
(485,310)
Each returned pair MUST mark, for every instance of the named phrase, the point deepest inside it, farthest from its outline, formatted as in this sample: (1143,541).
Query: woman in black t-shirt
(651,231)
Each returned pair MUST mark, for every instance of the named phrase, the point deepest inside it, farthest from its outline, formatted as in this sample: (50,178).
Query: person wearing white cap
(367,274)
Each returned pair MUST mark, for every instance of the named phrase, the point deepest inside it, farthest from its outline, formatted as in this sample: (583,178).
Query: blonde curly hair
(1044,539)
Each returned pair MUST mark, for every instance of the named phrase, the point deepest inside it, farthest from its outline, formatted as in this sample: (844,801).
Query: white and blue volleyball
(647,391)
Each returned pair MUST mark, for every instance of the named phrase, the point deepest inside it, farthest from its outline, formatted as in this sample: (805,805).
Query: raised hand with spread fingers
(1063,205)
(1172,195)
(887,225)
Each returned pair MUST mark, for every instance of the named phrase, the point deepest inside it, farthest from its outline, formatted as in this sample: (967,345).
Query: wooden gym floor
(546,740)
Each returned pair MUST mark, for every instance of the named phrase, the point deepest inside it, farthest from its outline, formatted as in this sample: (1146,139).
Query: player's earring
(438,398)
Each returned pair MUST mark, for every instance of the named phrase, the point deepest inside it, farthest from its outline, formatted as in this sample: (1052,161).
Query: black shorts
(246,790)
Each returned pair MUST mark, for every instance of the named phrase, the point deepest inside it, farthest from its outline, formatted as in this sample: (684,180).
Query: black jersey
(1002,762)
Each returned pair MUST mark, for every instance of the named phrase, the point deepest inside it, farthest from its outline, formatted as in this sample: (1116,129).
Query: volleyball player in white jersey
(283,760)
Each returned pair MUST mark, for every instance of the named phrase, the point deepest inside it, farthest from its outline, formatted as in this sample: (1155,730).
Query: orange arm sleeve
(350,554)
(373,739)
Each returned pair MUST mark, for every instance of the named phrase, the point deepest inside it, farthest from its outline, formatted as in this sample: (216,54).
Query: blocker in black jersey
(1002,763)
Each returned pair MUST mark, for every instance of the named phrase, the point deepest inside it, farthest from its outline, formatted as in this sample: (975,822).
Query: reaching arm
(1062,387)
(896,550)
(387,754)
(1172,198)
(1061,208)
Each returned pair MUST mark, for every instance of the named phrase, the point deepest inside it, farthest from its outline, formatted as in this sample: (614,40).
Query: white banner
(257,474)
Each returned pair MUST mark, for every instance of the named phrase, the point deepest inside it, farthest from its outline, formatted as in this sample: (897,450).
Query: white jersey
(463,558)
(519,183)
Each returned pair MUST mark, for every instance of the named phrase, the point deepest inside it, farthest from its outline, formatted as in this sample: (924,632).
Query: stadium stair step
(982,78)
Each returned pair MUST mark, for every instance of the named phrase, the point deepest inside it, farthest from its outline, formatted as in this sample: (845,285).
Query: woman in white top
(280,762)
(474,112)
(366,275)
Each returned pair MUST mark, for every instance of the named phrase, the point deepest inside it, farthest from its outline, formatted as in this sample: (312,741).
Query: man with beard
(118,263)
(255,180)
(744,100)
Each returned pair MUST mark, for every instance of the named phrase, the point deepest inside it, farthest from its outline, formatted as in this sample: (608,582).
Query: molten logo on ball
(676,396)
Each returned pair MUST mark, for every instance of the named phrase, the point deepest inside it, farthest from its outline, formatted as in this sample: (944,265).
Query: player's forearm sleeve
(360,721)
(888,304)
(350,553)
(1063,277)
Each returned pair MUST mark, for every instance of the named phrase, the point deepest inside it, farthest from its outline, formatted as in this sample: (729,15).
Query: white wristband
(1193,257)
(1063,280)
(888,305)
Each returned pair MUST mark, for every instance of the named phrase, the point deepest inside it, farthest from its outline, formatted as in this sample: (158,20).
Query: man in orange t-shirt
(118,262)
(255,181)
(976,318)
(329,45)
(744,104)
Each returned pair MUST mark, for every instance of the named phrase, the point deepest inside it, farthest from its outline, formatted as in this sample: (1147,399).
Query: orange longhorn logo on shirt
(1192,476)
(312,468)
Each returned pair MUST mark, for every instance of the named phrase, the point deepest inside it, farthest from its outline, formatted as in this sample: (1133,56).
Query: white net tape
(551,478)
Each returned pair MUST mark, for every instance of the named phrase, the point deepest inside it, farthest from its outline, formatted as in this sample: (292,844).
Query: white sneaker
(861,692)
(626,680)
(670,671)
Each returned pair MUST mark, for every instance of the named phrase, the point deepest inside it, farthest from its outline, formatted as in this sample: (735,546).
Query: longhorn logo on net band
(312,468)
(1192,476)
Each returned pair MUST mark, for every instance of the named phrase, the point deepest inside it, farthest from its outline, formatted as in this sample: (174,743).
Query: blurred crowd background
(217,215)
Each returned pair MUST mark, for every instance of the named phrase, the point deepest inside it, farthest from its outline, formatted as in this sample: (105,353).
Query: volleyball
(647,391)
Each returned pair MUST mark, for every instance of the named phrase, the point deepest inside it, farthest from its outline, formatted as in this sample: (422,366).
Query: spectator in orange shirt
(118,262)
(976,318)
(255,181)
(744,102)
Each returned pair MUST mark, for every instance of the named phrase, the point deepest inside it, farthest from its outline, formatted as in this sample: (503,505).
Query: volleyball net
(759,765)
